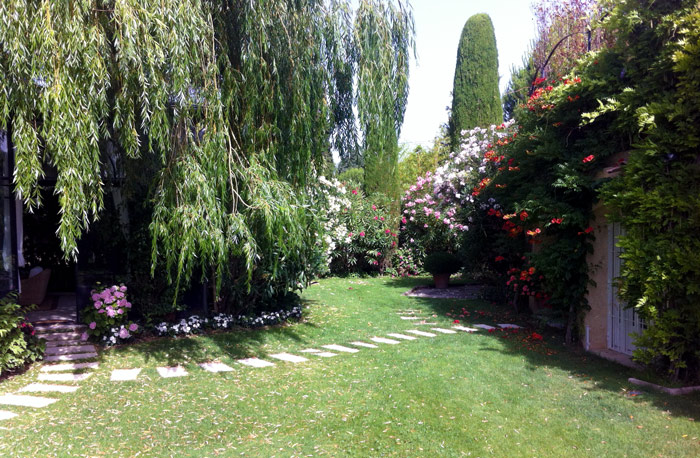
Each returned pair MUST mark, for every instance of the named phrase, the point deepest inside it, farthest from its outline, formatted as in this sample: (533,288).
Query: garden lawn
(499,393)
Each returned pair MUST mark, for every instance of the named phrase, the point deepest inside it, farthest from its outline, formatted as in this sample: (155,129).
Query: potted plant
(441,265)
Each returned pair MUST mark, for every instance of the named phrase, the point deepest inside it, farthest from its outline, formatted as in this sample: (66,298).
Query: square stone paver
(63,377)
(484,326)
(363,344)
(465,329)
(401,336)
(175,371)
(5,415)
(289,357)
(410,317)
(509,326)
(444,331)
(255,362)
(383,340)
(41,387)
(216,367)
(341,348)
(421,333)
(123,375)
(69,367)
(25,401)
(75,357)
(325,354)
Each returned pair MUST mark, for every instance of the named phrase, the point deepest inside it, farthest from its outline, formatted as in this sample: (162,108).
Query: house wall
(596,320)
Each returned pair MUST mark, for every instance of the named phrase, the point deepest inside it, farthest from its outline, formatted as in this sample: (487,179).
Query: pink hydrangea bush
(107,314)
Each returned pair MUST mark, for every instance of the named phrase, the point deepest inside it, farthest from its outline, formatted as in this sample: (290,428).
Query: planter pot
(442,281)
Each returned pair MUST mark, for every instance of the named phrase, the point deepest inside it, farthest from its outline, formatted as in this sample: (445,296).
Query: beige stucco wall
(597,318)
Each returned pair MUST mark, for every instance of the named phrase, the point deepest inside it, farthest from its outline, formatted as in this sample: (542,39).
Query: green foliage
(413,164)
(18,345)
(240,101)
(352,178)
(475,96)
(441,262)
(657,198)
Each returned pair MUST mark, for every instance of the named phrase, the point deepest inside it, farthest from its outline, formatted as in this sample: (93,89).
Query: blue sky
(438,28)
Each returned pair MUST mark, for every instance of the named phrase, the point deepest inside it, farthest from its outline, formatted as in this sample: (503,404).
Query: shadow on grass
(551,352)
(236,343)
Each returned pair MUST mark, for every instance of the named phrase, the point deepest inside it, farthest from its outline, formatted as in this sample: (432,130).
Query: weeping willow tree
(241,100)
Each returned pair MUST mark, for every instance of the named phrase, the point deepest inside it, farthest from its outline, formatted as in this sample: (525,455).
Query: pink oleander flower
(133,327)
(95,297)
(124,333)
(122,289)
(362,234)
(128,305)
(110,312)
(93,325)
(120,311)
(374,207)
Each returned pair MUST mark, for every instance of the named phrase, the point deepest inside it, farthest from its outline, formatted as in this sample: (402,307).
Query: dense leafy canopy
(241,100)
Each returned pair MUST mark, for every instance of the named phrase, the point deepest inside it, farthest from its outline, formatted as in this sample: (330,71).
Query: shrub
(18,345)
(442,262)
(106,317)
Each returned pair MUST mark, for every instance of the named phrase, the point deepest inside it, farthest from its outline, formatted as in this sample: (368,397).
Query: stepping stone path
(69,367)
(123,375)
(289,358)
(402,336)
(175,371)
(509,326)
(40,387)
(383,340)
(64,344)
(63,377)
(341,348)
(363,344)
(255,362)
(215,367)
(421,333)
(25,401)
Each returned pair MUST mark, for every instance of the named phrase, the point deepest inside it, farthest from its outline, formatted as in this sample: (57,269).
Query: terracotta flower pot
(442,281)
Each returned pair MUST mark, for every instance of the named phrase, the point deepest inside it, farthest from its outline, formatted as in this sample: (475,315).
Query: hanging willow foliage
(241,99)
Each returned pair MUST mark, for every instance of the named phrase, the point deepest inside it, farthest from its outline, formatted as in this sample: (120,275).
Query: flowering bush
(359,234)
(18,344)
(106,317)
(195,324)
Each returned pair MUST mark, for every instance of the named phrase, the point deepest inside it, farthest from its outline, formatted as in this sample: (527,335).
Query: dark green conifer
(476,100)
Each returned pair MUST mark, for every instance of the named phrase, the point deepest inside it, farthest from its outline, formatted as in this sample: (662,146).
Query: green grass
(452,395)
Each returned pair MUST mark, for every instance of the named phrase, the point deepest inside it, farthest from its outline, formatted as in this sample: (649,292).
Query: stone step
(62,343)
(69,350)
(174,371)
(216,367)
(42,387)
(363,344)
(25,401)
(69,367)
(289,357)
(53,328)
(59,336)
(401,336)
(255,362)
(421,333)
(465,329)
(444,331)
(74,357)
(384,340)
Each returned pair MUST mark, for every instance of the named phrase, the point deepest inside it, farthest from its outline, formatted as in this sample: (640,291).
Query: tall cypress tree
(476,100)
